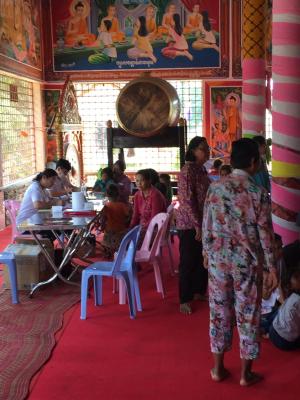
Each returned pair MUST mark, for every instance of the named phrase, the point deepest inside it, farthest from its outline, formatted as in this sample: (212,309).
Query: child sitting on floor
(114,222)
(285,330)
(271,298)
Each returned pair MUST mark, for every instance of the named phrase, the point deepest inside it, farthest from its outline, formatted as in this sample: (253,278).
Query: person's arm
(41,200)
(188,197)
(136,214)
(207,227)
(266,237)
(158,204)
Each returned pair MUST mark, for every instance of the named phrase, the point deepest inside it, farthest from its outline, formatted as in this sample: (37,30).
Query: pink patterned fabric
(193,183)
(145,208)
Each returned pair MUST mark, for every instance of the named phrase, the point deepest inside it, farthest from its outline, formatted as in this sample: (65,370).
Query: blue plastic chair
(122,268)
(10,260)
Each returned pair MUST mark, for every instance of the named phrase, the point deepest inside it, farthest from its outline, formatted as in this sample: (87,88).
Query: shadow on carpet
(27,334)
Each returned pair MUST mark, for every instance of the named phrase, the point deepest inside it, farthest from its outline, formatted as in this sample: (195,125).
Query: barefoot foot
(185,308)
(251,379)
(220,375)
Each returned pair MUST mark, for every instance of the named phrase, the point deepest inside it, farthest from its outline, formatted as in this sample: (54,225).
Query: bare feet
(251,378)
(219,376)
(185,308)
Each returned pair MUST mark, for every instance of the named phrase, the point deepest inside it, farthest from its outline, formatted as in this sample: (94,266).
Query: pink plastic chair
(12,207)
(150,253)
(166,238)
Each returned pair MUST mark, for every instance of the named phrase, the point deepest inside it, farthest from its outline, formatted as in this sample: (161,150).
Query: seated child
(225,170)
(114,221)
(166,180)
(271,298)
(285,330)
(216,167)
(105,180)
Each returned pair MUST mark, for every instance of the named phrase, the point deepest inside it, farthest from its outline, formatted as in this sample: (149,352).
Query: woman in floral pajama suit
(237,245)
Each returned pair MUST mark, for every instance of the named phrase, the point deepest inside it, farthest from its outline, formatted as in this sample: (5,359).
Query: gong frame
(171,136)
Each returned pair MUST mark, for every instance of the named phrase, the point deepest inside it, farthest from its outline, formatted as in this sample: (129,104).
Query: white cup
(57,211)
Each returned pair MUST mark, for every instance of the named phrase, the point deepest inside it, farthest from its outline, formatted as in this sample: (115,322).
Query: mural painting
(20,37)
(135,34)
(223,108)
(51,101)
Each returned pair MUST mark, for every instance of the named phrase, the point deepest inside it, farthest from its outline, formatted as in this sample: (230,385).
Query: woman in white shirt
(36,196)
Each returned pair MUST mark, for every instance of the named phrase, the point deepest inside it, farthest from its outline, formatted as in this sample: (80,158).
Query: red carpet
(160,355)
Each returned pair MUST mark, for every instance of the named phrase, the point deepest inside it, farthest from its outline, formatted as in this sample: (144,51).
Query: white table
(80,228)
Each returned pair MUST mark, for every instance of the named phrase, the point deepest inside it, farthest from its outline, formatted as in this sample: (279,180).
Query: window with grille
(97,105)
(17,141)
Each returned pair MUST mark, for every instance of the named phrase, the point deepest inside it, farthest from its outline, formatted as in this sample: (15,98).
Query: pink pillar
(286,118)
(254,68)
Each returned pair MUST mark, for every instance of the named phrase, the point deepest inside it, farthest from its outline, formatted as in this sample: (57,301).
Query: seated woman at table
(105,180)
(115,220)
(62,185)
(148,201)
(36,196)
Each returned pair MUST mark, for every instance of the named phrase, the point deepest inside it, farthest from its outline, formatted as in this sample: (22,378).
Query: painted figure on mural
(77,30)
(177,45)
(117,34)
(105,37)
(19,31)
(206,37)
(142,46)
(194,23)
(232,115)
(167,20)
(150,22)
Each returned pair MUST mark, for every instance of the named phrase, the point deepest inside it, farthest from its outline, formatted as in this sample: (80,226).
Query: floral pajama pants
(235,287)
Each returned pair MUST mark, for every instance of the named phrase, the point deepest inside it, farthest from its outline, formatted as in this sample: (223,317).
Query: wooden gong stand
(171,136)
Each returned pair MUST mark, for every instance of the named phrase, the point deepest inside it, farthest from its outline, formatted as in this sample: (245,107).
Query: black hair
(112,191)
(194,143)
(63,163)
(79,4)
(206,23)
(226,167)
(47,173)
(145,173)
(154,177)
(260,140)
(108,171)
(165,177)
(142,30)
(277,237)
(162,188)
(177,27)
(243,152)
(108,24)
(217,163)
(232,98)
(121,164)
(296,272)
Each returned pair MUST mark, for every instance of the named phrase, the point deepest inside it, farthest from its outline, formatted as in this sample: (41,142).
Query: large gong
(145,106)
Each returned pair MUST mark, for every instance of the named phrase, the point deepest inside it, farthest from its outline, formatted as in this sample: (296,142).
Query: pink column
(253,67)
(286,118)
